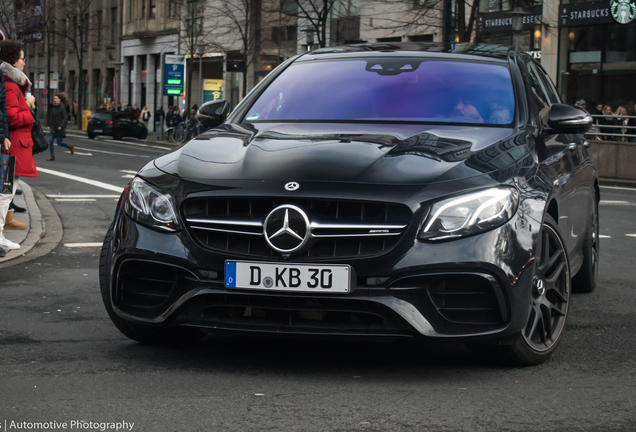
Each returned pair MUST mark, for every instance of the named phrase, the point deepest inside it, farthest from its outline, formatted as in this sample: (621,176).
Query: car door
(559,159)
(126,122)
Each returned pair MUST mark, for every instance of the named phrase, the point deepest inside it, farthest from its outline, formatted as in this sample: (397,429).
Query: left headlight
(150,206)
(470,214)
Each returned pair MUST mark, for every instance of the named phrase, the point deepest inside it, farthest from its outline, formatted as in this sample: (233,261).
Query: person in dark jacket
(57,124)
(159,117)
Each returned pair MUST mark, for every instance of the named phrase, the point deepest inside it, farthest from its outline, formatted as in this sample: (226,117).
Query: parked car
(117,124)
(403,190)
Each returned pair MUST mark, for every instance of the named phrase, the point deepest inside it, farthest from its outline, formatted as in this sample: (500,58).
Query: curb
(45,229)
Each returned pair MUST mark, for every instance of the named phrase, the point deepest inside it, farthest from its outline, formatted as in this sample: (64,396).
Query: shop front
(597,52)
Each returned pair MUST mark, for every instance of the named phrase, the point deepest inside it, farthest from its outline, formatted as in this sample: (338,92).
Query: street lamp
(517,23)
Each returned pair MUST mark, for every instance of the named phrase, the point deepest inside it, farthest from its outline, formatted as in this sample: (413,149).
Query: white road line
(604,236)
(114,153)
(82,180)
(74,245)
(128,176)
(618,187)
(82,196)
(624,203)
(81,154)
(75,199)
(137,144)
(630,235)
(128,171)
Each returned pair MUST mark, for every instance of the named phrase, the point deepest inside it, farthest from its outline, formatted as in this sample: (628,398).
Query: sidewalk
(33,218)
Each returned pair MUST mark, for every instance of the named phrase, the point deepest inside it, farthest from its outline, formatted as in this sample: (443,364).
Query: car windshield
(389,89)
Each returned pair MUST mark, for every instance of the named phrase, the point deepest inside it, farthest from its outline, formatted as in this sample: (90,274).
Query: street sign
(174,75)
(54,81)
(212,90)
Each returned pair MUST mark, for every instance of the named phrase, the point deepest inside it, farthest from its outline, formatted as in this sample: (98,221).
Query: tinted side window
(539,98)
(547,85)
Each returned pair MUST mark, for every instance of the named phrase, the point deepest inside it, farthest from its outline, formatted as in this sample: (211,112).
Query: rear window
(102,116)
(391,89)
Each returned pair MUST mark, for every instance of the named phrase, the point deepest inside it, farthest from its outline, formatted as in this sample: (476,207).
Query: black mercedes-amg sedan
(391,190)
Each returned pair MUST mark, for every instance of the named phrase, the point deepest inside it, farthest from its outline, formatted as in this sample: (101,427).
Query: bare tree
(195,35)
(316,13)
(239,28)
(7,18)
(77,34)
(414,16)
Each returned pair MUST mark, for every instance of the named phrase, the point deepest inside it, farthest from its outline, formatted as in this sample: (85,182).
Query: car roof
(496,53)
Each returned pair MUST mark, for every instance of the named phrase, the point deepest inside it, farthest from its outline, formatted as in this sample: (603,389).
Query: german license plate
(97,130)
(306,278)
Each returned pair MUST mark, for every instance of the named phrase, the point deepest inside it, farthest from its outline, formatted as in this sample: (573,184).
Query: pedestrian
(20,121)
(159,117)
(176,118)
(631,122)
(621,120)
(136,112)
(145,116)
(5,141)
(597,109)
(75,111)
(607,120)
(119,108)
(581,104)
(57,125)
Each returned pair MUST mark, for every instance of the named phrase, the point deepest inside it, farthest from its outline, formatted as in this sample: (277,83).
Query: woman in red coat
(20,122)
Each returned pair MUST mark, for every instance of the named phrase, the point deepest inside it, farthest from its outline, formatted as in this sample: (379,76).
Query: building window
(287,33)
(152,8)
(113,25)
(130,10)
(195,26)
(173,9)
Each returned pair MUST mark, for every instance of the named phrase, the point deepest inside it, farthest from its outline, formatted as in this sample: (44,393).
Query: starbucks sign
(623,11)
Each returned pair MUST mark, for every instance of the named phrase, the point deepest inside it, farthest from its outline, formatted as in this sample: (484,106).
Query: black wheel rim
(550,293)
(595,244)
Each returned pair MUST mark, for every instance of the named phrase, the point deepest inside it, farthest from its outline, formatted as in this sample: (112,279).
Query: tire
(117,136)
(91,136)
(586,279)
(549,303)
(143,135)
(146,334)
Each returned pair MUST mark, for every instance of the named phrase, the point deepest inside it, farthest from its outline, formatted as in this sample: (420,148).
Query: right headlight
(470,214)
(150,206)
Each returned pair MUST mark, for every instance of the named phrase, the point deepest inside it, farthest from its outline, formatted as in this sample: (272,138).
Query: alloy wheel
(550,293)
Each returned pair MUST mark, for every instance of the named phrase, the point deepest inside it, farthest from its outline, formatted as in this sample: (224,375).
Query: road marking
(604,236)
(82,196)
(137,144)
(74,245)
(623,203)
(113,153)
(128,176)
(82,180)
(617,187)
(81,154)
(128,171)
(630,235)
(75,199)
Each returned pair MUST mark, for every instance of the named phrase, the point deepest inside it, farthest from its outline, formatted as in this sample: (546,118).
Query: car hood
(395,154)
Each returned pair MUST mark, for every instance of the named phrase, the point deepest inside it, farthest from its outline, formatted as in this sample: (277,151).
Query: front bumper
(476,287)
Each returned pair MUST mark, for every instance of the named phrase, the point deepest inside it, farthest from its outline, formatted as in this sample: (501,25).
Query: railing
(613,132)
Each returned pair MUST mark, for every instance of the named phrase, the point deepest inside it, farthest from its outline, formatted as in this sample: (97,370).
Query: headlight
(470,214)
(150,206)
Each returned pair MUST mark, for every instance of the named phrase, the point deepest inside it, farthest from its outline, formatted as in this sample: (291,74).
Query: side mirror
(568,119)
(213,113)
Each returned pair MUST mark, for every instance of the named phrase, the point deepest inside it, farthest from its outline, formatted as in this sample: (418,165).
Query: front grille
(338,228)
(298,315)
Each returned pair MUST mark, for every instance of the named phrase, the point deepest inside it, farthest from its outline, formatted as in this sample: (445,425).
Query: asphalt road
(62,360)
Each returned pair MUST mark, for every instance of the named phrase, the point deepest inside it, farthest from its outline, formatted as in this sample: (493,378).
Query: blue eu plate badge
(230,274)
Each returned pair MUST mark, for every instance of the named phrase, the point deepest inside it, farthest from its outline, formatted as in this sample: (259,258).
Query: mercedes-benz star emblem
(286,229)
(292,186)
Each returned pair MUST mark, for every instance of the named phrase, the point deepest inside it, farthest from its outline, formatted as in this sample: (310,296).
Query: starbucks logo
(623,11)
